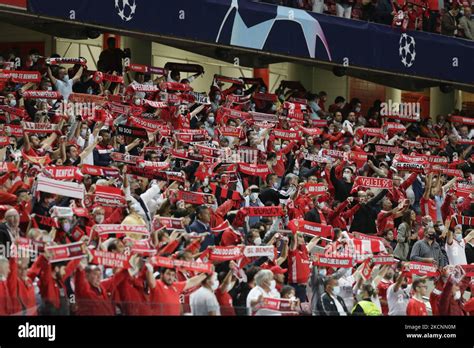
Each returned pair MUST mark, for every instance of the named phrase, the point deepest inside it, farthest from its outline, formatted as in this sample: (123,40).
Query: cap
(278,270)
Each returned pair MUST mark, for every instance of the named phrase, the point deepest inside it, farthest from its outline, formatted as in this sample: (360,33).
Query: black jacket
(366,217)
(271,195)
(469,253)
(343,189)
(327,306)
(313,215)
(5,239)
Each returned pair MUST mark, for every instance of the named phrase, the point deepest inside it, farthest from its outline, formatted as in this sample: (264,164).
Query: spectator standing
(416,305)
(428,250)
(449,22)
(110,60)
(466,23)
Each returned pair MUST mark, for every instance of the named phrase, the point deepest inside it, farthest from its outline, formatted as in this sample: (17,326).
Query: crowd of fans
(131,194)
(451,18)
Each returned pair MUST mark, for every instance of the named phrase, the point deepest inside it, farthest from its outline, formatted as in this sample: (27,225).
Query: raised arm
(78,74)
(195,281)
(51,77)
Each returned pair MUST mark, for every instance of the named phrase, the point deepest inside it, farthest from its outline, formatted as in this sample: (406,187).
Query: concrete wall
(89,49)
(12,33)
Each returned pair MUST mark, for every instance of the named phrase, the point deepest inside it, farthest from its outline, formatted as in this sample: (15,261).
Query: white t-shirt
(65,87)
(89,159)
(456,252)
(204,301)
(398,301)
(347,293)
(255,293)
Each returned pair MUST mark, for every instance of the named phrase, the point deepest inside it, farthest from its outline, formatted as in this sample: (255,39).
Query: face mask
(99,219)
(321,205)
(346,176)
(210,120)
(206,182)
(441,228)
(357,109)
(430,224)
(275,186)
(215,282)
(138,102)
(277,147)
(257,241)
(457,295)
(83,133)
(67,227)
(217,98)
(336,290)
(215,285)
(253,196)
(273,284)
(322,272)
(50,88)
(13,103)
(458,237)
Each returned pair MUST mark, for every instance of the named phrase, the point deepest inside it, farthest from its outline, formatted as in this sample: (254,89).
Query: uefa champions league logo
(406,50)
(256,36)
(126,9)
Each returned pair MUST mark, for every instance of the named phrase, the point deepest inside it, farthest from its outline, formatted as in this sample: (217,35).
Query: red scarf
(260,170)
(195,197)
(370,182)
(333,261)
(110,259)
(421,269)
(20,76)
(41,94)
(286,134)
(463,120)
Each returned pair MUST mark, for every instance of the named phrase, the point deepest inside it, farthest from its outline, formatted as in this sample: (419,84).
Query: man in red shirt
(21,288)
(227,282)
(52,285)
(386,217)
(165,292)
(94,296)
(427,202)
(5,298)
(382,288)
(298,264)
(416,306)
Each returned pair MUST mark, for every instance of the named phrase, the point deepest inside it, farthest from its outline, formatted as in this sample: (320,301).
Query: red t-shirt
(382,288)
(5,299)
(165,299)
(428,207)
(230,238)
(225,301)
(385,223)
(416,308)
(298,265)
